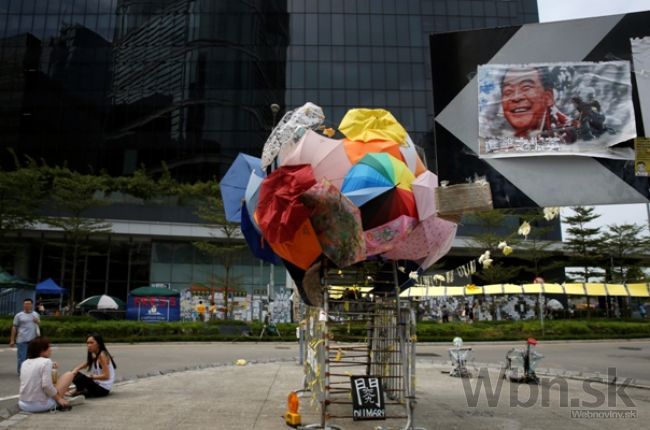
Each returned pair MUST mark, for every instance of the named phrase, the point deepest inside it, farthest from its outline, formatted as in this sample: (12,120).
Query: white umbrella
(554,305)
(102,302)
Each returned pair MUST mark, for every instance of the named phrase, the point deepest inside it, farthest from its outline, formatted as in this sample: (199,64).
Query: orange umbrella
(356,150)
(301,250)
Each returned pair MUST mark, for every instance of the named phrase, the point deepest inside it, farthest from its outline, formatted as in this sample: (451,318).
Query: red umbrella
(280,213)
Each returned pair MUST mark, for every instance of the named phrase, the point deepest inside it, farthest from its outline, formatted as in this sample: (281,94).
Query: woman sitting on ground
(102,367)
(37,390)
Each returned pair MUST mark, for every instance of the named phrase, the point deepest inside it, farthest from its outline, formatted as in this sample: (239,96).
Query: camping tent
(153,304)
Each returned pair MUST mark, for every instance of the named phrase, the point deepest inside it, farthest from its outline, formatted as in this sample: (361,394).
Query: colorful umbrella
(423,191)
(356,150)
(327,157)
(373,172)
(372,124)
(256,243)
(101,302)
(251,196)
(383,238)
(302,249)
(337,222)
(233,184)
(378,169)
(430,240)
(387,207)
(280,212)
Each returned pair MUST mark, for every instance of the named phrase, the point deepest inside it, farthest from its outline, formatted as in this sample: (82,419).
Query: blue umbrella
(258,246)
(252,195)
(233,184)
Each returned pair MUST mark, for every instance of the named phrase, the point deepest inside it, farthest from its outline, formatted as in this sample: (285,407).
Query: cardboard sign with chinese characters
(367,398)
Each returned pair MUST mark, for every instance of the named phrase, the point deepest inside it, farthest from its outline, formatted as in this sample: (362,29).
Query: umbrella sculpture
(337,222)
(385,207)
(102,302)
(327,157)
(233,184)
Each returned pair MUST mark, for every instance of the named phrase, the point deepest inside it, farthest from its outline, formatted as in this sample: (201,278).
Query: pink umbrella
(425,200)
(326,156)
(430,240)
(384,237)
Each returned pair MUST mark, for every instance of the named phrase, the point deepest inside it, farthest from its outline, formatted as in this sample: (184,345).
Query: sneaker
(59,408)
(76,400)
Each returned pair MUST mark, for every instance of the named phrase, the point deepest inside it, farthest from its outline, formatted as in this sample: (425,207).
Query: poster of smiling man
(579,108)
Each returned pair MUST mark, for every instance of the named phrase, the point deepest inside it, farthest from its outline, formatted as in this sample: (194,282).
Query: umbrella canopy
(280,213)
(251,196)
(554,305)
(431,237)
(327,157)
(411,157)
(423,193)
(233,184)
(154,291)
(384,237)
(337,222)
(256,243)
(102,302)
(302,249)
(388,206)
(372,124)
(288,132)
(378,169)
(48,286)
(356,150)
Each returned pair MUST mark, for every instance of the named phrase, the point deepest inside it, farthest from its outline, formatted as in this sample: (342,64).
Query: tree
(535,250)
(620,242)
(494,228)
(75,195)
(583,243)
(225,245)
(21,193)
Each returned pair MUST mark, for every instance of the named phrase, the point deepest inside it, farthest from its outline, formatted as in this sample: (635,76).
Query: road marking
(2,399)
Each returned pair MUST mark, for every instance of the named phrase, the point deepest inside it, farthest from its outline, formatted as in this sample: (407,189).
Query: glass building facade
(115,84)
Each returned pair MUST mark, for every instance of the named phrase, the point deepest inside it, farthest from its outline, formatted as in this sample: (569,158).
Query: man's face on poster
(524,99)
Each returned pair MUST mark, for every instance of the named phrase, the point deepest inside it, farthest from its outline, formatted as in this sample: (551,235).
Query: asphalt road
(630,358)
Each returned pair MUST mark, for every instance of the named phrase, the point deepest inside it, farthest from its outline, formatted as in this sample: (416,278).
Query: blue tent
(48,286)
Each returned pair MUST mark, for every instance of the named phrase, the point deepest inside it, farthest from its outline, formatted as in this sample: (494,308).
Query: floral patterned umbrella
(337,222)
(430,240)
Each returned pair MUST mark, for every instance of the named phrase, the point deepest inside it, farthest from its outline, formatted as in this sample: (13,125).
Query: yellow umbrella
(372,124)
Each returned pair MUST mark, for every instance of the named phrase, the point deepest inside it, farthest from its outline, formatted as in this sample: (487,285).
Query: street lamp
(275,108)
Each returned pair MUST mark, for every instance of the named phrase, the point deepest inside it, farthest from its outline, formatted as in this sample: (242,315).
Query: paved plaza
(254,397)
